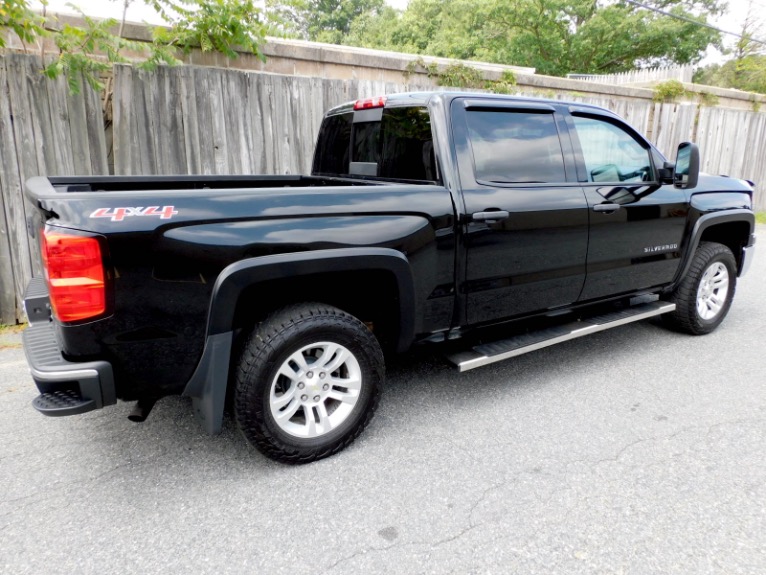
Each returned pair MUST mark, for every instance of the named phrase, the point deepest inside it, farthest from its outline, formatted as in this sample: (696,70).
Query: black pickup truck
(428,217)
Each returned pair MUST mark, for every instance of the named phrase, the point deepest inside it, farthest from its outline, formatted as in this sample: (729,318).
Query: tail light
(75,272)
(370,103)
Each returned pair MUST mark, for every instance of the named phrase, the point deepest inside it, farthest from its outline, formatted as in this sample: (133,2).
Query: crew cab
(492,225)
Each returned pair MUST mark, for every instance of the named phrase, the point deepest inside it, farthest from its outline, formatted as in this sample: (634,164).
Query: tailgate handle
(491,217)
(606,207)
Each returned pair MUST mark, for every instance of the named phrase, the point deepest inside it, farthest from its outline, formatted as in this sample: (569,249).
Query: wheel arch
(209,382)
(732,228)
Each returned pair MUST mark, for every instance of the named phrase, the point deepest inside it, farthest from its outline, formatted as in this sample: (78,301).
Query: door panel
(636,246)
(636,225)
(532,256)
(533,260)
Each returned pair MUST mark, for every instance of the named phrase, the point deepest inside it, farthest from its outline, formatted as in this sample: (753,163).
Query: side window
(332,150)
(611,154)
(515,147)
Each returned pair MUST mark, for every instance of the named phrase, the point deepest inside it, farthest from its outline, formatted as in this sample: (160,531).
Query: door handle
(490,217)
(606,207)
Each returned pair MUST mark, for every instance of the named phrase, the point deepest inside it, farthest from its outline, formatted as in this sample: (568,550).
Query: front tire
(704,296)
(308,382)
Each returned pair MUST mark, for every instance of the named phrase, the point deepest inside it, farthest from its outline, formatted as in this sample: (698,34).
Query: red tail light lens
(369,103)
(75,273)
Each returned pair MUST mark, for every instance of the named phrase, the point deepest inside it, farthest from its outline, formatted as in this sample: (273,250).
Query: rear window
(333,145)
(399,146)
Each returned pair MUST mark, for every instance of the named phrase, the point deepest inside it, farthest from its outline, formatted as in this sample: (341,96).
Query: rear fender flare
(207,385)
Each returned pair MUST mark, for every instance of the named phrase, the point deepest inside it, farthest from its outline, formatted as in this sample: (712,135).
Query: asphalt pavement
(633,451)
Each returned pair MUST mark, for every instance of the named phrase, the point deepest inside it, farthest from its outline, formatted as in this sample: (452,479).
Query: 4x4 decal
(119,214)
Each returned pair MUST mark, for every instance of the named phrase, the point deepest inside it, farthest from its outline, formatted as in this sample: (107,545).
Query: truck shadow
(418,381)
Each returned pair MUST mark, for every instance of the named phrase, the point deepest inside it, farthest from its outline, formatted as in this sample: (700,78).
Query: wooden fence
(44,130)
(189,120)
(194,120)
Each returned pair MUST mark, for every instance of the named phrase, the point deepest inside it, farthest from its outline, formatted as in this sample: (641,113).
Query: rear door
(636,224)
(525,223)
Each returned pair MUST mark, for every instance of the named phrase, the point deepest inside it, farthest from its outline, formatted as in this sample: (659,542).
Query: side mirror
(687,169)
(665,173)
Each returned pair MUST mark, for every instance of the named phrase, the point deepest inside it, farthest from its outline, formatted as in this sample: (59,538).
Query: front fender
(705,222)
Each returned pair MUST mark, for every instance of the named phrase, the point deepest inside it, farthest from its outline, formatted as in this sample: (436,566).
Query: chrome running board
(487,353)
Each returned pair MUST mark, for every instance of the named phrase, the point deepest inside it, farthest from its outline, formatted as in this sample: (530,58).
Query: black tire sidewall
(723,255)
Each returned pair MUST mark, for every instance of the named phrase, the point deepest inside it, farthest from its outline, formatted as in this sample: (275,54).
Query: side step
(66,402)
(487,353)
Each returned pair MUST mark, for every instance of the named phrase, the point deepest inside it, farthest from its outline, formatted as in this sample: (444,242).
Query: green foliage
(760,217)
(90,50)
(669,91)
(213,26)
(747,73)
(553,36)
(708,99)
(17,16)
(459,75)
(320,20)
(506,84)
(747,70)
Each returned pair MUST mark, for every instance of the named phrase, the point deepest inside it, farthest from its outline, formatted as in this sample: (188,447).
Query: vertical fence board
(79,134)
(258,132)
(9,188)
(205,121)
(234,98)
(95,133)
(187,113)
(121,127)
(27,157)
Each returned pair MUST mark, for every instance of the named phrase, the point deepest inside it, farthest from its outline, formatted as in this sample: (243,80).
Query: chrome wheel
(315,389)
(712,291)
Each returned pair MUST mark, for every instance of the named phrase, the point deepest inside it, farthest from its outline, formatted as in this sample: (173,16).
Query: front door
(636,224)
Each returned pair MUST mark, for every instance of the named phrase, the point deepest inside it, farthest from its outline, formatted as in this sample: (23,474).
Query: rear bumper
(66,387)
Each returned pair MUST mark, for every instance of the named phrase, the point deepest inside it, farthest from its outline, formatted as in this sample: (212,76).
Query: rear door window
(515,147)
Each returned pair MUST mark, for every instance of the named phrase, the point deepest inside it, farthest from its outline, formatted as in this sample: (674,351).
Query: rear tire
(308,382)
(704,296)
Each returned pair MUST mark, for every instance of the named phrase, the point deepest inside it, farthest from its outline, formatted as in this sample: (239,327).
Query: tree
(213,25)
(322,20)
(16,16)
(92,48)
(553,36)
(747,70)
